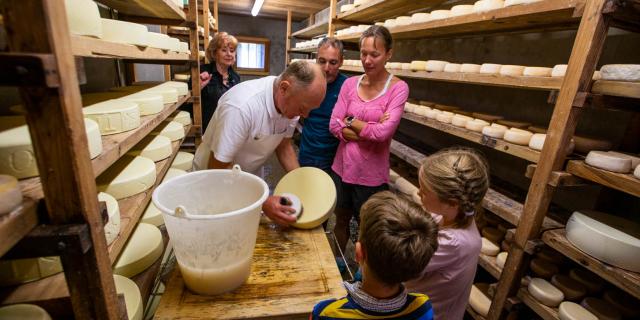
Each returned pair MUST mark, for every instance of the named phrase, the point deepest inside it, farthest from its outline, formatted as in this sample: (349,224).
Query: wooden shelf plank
(623,182)
(558,178)
(489,264)
(97,48)
(312,31)
(543,15)
(157,9)
(379,10)
(18,223)
(617,88)
(307,50)
(543,311)
(625,280)
(183,32)
(53,289)
(116,145)
(519,151)
(520,82)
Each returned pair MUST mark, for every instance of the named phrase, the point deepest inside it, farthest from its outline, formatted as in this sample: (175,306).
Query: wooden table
(292,270)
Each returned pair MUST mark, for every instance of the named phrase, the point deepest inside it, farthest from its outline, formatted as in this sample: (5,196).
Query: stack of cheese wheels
(19,271)
(479,302)
(621,72)
(487,5)
(129,176)
(114,116)
(461,10)
(83,18)
(470,68)
(183,117)
(572,311)
(183,161)
(511,70)
(490,68)
(609,161)
(476,125)
(125,32)
(537,72)
(112,227)
(518,136)
(605,237)
(545,292)
(10,194)
(601,309)
(420,17)
(23,311)
(452,67)
(439,14)
(489,248)
(143,249)
(508,3)
(153,147)
(132,297)
(170,129)
(572,289)
(435,65)
(418,65)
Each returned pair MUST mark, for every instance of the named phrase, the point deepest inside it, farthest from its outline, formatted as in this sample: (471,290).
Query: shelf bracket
(33,69)
(38,242)
(558,178)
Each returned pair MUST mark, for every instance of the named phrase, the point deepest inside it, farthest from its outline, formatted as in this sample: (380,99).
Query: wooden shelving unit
(67,183)
(545,312)
(617,88)
(379,10)
(620,181)
(312,31)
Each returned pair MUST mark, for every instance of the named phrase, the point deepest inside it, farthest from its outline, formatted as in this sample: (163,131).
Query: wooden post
(194,44)
(215,14)
(333,9)
(56,125)
(167,68)
(584,57)
(288,40)
(205,19)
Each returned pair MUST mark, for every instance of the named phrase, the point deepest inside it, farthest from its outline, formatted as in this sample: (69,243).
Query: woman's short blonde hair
(219,40)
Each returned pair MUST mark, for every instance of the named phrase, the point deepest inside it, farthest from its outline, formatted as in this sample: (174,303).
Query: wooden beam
(215,15)
(333,9)
(194,45)
(288,39)
(582,63)
(56,125)
(205,22)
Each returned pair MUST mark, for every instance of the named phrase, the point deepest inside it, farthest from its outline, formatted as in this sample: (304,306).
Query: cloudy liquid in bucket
(218,280)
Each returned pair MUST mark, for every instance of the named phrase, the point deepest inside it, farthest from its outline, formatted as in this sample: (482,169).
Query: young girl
(453,183)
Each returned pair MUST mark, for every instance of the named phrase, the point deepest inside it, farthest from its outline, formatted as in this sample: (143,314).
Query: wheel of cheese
(127,177)
(591,281)
(489,248)
(181,77)
(559,70)
(587,144)
(403,20)
(439,14)
(132,297)
(169,94)
(395,65)
(461,10)
(572,311)
(184,48)
(83,18)
(479,302)
(149,103)
(608,161)
(17,157)
(125,32)
(601,309)
(10,194)
(508,3)
(635,161)
(160,41)
(492,234)
(422,110)
(418,65)
(406,66)
(346,7)
(23,311)
(183,161)
(543,269)
(435,65)
(390,23)
(172,173)
(114,116)
(420,17)
(572,289)
(183,88)
(183,117)
(621,72)
(155,148)
(545,292)
(460,120)
(19,271)
(518,137)
(143,249)
(487,5)
(444,118)
(170,129)
(537,141)
(494,132)
(608,238)
(511,70)
(433,113)
(452,67)
(490,68)
(476,125)
(537,72)
(94,138)
(112,227)
(470,68)
(623,302)
(360,2)
(501,259)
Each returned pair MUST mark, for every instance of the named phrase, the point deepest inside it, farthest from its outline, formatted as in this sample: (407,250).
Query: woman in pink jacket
(364,119)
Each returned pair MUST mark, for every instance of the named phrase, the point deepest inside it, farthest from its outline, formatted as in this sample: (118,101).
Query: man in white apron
(256,118)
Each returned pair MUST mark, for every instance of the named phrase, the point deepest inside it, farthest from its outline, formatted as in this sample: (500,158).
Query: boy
(397,240)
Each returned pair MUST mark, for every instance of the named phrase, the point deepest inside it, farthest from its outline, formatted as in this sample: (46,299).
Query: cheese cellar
(288,159)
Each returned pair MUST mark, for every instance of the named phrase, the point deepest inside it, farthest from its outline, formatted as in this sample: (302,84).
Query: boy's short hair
(398,236)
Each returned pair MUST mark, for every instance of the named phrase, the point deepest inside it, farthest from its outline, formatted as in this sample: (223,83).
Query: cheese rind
(143,249)
(23,311)
(160,41)
(635,160)
(149,103)
(155,148)
(418,65)
(452,67)
(494,132)
(518,137)
(545,292)
(608,161)
(511,70)
(490,68)
(170,129)
(112,227)
(152,215)
(470,68)
(183,161)
(433,113)
(406,66)
(403,20)
(559,70)
(572,311)
(94,138)
(621,72)
(435,65)
(537,72)
(346,7)
(489,248)
(461,9)
(636,172)
(114,116)
(132,297)
(479,302)
(460,120)
(125,32)
(444,117)
(127,177)
(169,94)
(537,141)
(183,117)
(487,5)
(83,18)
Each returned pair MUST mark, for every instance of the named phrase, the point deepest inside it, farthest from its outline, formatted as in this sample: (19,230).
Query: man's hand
(205,77)
(282,215)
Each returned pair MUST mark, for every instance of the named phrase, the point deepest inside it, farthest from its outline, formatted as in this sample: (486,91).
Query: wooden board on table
(624,182)
(156,9)
(292,270)
(617,88)
(625,280)
(546,313)
(379,10)
(97,48)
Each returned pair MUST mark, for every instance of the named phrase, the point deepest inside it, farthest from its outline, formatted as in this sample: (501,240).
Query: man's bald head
(300,88)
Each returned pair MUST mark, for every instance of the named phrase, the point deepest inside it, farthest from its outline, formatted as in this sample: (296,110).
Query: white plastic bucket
(212,218)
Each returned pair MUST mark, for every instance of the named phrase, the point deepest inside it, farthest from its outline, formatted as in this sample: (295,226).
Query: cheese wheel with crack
(608,161)
(572,311)
(494,132)
(621,72)
(470,68)
(518,137)
(489,248)
(143,249)
(512,70)
(439,14)
(545,292)
(537,72)
(490,68)
(487,5)
(153,147)
(601,309)
(130,175)
(479,302)
(418,65)
(435,65)
(590,280)
(452,67)
(461,9)
(572,289)
(420,17)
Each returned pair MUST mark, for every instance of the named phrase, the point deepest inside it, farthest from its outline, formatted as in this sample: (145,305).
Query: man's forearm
(287,156)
